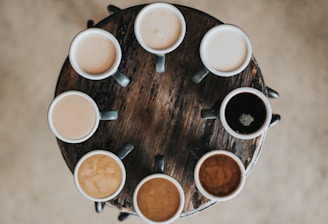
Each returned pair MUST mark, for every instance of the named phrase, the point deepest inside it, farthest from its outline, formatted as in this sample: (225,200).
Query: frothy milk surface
(225,50)
(95,54)
(74,117)
(158,199)
(160,28)
(99,176)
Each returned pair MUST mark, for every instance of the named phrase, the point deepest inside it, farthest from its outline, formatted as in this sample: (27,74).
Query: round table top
(160,114)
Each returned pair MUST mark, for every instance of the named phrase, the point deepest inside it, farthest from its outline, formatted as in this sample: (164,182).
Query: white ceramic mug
(256,114)
(96,54)
(168,207)
(73,116)
(99,175)
(160,28)
(219,175)
(225,50)
(245,113)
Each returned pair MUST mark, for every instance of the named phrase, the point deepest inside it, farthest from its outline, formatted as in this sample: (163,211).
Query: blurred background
(289,183)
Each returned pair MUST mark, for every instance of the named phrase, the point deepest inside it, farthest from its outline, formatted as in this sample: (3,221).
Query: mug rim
(267,106)
(73,46)
(245,38)
(105,153)
(210,196)
(139,36)
(173,181)
(54,103)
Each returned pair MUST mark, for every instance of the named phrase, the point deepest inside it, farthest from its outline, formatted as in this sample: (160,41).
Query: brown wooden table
(160,113)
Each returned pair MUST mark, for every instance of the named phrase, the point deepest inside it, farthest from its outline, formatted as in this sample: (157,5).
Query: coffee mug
(219,175)
(225,50)
(95,54)
(158,198)
(160,28)
(100,175)
(245,113)
(73,116)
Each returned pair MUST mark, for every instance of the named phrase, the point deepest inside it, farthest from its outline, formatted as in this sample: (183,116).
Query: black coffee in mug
(245,113)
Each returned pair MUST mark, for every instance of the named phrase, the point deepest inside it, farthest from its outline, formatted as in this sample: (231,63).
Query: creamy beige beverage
(158,199)
(160,28)
(95,53)
(99,176)
(74,117)
(225,50)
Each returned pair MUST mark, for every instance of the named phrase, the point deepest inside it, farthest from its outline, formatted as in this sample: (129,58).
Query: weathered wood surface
(160,113)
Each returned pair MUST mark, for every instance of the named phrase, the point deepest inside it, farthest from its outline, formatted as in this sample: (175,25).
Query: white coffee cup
(99,175)
(219,175)
(225,50)
(73,116)
(245,113)
(160,28)
(167,214)
(96,54)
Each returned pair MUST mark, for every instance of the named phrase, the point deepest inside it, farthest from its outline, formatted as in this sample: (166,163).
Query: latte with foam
(160,28)
(99,176)
(73,116)
(95,54)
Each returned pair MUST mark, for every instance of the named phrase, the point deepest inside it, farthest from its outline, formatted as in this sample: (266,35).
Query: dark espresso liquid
(245,113)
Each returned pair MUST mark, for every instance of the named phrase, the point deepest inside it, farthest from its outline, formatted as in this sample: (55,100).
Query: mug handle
(125,150)
(272,93)
(209,114)
(121,79)
(99,206)
(160,63)
(200,75)
(122,216)
(274,120)
(90,23)
(159,164)
(113,9)
(108,115)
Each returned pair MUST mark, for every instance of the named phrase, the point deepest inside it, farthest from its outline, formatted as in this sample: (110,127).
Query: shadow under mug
(225,50)
(219,175)
(73,116)
(245,113)
(158,198)
(96,54)
(160,28)
(100,175)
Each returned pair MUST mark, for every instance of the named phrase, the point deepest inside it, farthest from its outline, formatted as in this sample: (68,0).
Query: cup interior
(158,198)
(99,175)
(219,175)
(73,116)
(225,50)
(245,113)
(95,54)
(160,28)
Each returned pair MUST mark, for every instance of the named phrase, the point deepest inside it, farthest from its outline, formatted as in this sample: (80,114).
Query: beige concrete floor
(289,183)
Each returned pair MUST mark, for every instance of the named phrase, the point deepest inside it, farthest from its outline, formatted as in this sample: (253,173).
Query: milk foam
(74,117)
(225,50)
(160,28)
(99,176)
(95,54)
